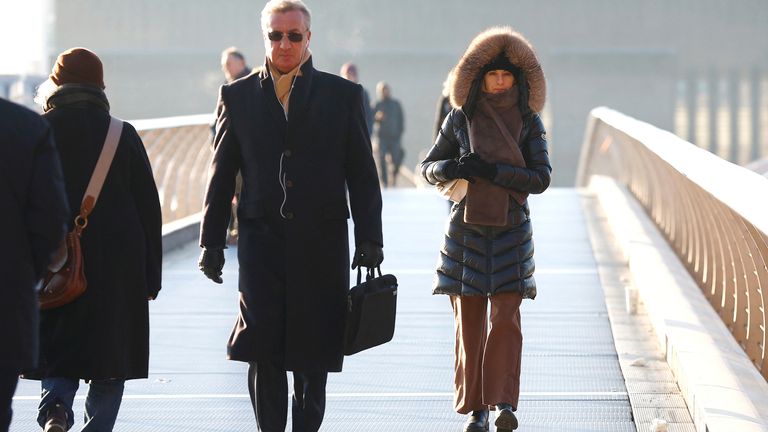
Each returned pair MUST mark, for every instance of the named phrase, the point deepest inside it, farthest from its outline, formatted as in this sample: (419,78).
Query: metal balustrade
(713,213)
(180,151)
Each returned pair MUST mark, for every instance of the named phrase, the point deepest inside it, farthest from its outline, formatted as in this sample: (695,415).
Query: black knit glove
(473,165)
(211,263)
(368,254)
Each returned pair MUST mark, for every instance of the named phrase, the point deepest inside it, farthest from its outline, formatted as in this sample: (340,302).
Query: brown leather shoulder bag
(65,280)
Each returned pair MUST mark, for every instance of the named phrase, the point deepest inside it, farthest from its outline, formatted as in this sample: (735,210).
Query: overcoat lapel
(299,104)
(272,105)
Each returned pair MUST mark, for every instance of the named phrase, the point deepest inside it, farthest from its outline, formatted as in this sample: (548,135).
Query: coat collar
(299,99)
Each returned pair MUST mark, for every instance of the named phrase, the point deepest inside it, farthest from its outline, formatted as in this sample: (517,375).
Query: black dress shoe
(505,419)
(478,422)
(56,419)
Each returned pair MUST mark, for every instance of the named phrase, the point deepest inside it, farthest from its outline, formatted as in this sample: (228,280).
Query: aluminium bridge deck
(571,378)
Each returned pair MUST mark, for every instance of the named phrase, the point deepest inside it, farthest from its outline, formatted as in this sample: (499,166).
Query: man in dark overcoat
(300,140)
(34,220)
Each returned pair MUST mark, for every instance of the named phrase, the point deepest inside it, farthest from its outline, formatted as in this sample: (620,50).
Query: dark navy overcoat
(33,222)
(301,177)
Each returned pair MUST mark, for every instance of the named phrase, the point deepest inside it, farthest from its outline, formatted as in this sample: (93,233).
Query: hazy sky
(22,37)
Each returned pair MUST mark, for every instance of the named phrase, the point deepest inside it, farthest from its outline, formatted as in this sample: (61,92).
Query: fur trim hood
(487,46)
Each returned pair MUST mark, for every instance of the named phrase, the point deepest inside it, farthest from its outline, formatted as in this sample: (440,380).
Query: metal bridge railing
(713,213)
(180,151)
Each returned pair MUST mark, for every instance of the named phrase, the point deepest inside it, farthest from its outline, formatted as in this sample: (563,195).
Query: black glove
(211,262)
(473,165)
(453,170)
(368,254)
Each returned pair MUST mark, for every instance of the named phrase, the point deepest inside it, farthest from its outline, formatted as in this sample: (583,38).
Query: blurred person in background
(299,138)
(495,139)
(349,71)
(102,336)
(388,130)
(233,64)
(443,106)
(34,220)
(234,67)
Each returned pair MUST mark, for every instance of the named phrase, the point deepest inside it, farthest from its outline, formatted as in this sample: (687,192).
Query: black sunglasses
(276,36)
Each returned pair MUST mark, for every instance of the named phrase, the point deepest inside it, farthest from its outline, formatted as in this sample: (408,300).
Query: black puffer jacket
(478,259)
(485,260)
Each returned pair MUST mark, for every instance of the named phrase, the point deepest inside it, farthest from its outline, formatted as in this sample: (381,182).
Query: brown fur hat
(484,49)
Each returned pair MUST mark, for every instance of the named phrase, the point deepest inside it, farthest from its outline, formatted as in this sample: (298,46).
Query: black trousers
(268,387)
(8,381)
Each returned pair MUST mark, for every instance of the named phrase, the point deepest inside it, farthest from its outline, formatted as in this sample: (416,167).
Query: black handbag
(371,312)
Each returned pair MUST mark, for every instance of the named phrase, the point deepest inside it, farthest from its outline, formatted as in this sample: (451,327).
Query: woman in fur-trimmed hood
(494,142)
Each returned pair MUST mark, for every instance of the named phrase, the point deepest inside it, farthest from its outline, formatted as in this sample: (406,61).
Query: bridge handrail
(170,122)
(713,213)
(179,149)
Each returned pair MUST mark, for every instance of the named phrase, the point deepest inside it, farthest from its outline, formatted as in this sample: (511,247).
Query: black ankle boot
(56,419)
(477,422)
(505,419)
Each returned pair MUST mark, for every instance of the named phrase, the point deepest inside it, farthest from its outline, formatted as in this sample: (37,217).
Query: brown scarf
(284,82)
(487,203)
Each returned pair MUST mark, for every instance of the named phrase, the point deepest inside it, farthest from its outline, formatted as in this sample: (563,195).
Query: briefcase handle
(370,273)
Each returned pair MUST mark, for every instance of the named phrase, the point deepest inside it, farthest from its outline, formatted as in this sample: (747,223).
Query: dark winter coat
(294,267)
(485,260)
(393,124)
(33,221)
(105,333)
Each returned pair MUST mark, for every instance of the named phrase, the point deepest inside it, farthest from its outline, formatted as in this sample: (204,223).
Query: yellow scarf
(284,82)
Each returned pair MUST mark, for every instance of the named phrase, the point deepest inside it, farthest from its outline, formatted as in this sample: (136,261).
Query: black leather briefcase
(371,311)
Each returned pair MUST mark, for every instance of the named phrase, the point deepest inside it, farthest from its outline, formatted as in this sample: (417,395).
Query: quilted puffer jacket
(478,259)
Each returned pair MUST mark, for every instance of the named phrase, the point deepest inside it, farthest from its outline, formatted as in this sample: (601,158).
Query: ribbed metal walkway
(571,376)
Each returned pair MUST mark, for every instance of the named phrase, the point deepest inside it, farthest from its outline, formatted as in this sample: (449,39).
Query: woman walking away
(494,139)
(102,336)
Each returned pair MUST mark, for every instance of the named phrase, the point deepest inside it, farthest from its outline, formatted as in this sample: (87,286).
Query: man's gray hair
(281,6)
(231,51)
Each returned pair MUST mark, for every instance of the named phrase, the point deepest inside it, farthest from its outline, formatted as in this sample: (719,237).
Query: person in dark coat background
(389,125)
(495,139)
(102,336)
(443,106)
(349,71)
(34,219)
(233,64)
(234,67)
(300,140)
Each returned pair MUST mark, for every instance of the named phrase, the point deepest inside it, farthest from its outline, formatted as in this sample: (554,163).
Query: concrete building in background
(697,67)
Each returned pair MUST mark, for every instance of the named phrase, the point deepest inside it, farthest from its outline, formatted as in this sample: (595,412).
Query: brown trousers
(487,357)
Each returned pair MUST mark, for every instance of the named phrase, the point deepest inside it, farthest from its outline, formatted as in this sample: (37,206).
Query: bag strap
(100,172)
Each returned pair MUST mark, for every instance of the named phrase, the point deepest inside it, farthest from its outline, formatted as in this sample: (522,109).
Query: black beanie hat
(501,62)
